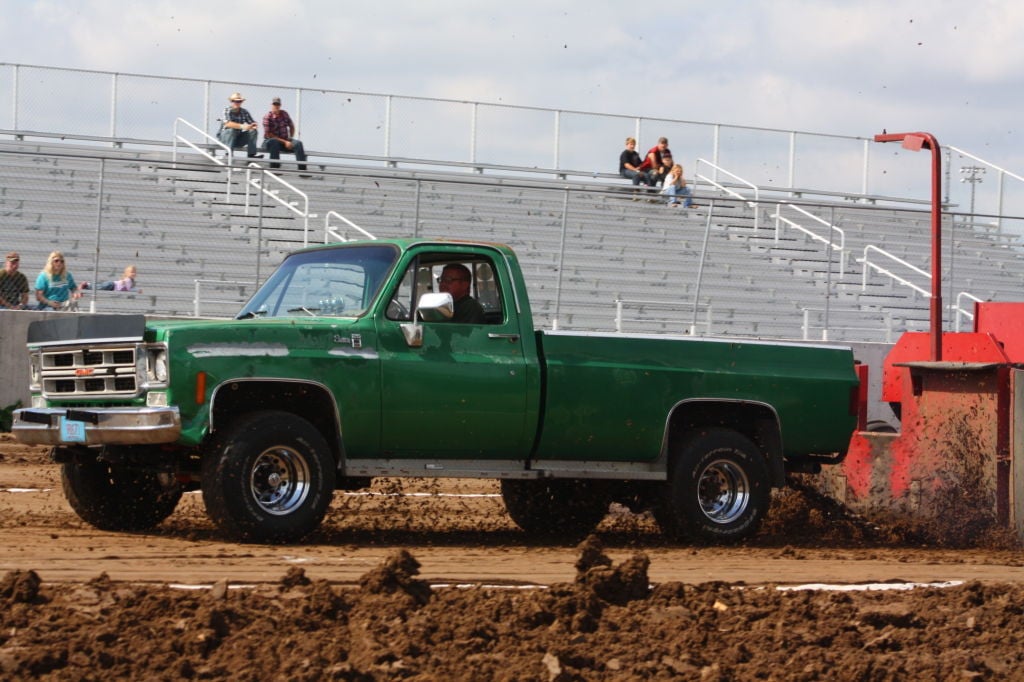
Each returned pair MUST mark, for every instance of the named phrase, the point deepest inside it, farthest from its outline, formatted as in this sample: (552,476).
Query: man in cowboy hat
(237,128)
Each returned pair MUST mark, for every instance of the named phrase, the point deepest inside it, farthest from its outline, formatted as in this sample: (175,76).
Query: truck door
(463,393)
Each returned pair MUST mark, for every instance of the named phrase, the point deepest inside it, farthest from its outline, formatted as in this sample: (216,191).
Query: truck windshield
(338,282)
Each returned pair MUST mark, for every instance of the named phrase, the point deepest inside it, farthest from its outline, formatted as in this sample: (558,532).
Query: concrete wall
(14,356)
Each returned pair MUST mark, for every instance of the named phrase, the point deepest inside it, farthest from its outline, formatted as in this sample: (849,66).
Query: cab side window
(448,272)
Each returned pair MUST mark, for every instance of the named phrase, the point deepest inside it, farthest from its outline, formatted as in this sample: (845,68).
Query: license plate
(72,431)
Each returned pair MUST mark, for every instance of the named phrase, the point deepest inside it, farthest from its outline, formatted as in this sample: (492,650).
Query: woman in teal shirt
(55,287)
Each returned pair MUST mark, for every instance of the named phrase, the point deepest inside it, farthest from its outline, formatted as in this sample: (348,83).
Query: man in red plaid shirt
(279,134)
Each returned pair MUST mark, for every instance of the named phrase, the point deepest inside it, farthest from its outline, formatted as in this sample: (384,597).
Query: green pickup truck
(347,364)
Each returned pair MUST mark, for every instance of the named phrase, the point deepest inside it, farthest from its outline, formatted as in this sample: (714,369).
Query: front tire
(269,478)
(116,497)
(718,489)
(558,509)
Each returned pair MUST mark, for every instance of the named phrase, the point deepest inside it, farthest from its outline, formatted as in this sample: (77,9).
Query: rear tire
(268,478)
(557,509)
(718,488)
(116,497)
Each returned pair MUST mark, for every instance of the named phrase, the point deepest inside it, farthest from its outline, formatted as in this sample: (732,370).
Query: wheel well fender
(310,400)
(757,421)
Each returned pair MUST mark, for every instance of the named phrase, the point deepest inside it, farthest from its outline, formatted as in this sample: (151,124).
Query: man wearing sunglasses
(455,280)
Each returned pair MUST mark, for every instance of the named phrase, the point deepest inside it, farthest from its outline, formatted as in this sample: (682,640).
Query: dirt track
(85,604)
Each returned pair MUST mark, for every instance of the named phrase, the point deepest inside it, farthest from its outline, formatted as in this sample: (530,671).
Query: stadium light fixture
(915,142)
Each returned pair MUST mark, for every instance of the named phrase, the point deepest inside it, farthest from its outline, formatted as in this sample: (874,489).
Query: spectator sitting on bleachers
(675,187)
(13,284)
(629,164)
(653,164)
(55,286)
(660,175)
(237,128)
(279,135)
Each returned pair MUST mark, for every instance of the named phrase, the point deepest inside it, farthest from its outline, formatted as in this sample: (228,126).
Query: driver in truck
(455,279)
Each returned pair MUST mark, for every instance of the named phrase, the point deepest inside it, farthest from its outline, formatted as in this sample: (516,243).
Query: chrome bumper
(97,425)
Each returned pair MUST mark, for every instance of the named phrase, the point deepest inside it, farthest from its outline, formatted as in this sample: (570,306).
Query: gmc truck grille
(91,372)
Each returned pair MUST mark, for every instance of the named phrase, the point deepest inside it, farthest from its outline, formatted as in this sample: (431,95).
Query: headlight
(34,377)
(156,365)
(160,366)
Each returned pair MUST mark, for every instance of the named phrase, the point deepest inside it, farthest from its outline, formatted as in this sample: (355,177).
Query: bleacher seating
(179,225)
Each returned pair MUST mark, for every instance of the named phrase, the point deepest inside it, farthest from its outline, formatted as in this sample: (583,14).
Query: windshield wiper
(309,311)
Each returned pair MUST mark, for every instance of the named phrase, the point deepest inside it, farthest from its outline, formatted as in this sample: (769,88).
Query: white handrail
(199,282)
(620,303)
(960,310)
(814,235)
(867,263)
(256,183)
(211,139)
(1002,172)
(757,192)
(329,232)
(806,328)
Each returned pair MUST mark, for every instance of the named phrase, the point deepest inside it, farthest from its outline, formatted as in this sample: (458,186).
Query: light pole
(915,142)
(972,174)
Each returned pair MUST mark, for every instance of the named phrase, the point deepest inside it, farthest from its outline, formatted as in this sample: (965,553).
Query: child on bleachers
(126,283)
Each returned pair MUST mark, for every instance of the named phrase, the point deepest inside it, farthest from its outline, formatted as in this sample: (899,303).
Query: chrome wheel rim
(723,491)
(280,480)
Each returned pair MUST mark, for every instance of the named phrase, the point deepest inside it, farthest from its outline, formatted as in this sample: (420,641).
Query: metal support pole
(561,258)
(792,162)
(416,210)
(99,234)
(113,107)
(387,126)
(259,228)
(828,275)
(14,98)
(700,268)
(864,171)
(714,152)
(206,107)
(472,132)
(558,132)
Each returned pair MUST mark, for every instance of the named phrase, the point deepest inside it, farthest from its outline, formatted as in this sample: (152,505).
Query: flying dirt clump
(397,575)
(598,584)
(20,587)
(615,585)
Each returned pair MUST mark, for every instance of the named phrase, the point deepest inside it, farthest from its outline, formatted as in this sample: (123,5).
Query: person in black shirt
(629,164)
(455,280)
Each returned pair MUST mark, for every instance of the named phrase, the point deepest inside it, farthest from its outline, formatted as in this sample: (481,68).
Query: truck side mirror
(436,307)
(432,307)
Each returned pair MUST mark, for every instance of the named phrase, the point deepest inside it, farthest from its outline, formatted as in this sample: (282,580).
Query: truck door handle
(512,338)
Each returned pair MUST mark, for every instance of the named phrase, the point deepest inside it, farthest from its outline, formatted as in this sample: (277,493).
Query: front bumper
(97,425)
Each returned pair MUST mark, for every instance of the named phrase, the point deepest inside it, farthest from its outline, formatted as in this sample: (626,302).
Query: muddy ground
(430,580)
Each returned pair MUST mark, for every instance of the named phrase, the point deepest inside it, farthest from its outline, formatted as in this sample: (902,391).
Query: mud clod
(397,575)
(20,587)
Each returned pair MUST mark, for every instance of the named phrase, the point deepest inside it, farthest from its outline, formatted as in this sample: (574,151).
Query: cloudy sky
(832,66)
